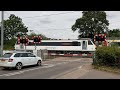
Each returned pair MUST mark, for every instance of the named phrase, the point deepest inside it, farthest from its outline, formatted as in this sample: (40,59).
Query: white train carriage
(85,46)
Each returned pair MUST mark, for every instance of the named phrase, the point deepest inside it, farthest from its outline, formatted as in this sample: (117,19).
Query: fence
(49,56)
(43,54)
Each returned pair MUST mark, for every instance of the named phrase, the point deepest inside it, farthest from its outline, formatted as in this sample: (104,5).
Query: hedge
(107,56)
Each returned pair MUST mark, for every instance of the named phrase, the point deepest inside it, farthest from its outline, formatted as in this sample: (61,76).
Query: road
(74,68)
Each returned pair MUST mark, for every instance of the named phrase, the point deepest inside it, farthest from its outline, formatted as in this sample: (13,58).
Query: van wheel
(18,66)
(39,63)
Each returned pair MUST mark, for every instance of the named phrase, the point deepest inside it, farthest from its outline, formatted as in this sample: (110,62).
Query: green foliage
(9,45)
(90,23)
(114,33)
(12,26)
(117,44)
(33,34)
(107,56)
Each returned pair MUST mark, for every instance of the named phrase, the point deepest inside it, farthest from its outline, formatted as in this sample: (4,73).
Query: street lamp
(2,31)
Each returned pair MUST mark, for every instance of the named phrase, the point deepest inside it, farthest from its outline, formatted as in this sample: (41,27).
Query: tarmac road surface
(61,68)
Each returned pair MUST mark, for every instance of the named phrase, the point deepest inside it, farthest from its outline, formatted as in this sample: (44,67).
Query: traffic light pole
(2,31)
(36,40)
(35,45)
(25,47)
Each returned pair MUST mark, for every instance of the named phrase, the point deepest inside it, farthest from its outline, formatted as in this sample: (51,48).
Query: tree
(114,33)
(33,34)
(12,27)
(90,23)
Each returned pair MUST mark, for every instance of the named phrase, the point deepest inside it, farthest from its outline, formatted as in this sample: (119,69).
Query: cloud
(45,21)
(112,14)
(60,34)
(56,26)
(114,19)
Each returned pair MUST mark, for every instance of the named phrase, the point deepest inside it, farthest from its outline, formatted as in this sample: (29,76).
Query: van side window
(89,42)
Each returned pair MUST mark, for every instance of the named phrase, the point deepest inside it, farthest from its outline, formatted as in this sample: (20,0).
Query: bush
(107,56)
(9,45)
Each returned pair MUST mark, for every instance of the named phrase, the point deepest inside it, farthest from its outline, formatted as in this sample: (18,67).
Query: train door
(84,45)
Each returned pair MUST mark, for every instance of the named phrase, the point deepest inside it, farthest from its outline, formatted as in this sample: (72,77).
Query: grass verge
(113,69)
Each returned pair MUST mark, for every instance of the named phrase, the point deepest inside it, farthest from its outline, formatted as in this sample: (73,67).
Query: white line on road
(20,72)
(44,66)
(79,67)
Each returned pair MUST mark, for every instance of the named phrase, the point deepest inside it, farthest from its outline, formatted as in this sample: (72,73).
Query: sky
(57,24)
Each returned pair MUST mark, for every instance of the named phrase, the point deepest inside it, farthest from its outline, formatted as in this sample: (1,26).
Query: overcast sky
(57,24)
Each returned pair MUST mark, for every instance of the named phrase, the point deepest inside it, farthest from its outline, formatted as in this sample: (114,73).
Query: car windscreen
(7,55)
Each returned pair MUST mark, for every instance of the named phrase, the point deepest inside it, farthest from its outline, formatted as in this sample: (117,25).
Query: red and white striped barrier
(81,55)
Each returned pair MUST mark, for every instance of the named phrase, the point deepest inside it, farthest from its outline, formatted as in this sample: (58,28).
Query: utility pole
(35,45)
(2,31)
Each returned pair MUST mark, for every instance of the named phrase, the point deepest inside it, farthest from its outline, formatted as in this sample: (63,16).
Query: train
(61,47)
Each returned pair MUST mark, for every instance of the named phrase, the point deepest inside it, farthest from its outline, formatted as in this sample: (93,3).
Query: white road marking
(44,66)
(79,67)
(20,72)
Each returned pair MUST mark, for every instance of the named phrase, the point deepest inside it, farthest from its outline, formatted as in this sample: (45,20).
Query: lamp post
(2,31)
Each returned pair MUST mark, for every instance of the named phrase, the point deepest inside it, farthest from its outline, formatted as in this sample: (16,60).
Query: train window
(79,43)
(66,44)
(56,44)
(89,42)
(76,43)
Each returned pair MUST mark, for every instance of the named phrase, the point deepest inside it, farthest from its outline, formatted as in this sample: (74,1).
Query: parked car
(19,60)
